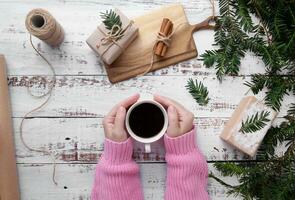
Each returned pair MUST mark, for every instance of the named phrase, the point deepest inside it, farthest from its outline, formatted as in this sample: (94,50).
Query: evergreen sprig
(291,111)
(110,19)
(198,91)
(255,122)
(273,40)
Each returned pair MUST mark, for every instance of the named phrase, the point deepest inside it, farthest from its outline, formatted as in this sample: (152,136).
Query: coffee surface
(146,120)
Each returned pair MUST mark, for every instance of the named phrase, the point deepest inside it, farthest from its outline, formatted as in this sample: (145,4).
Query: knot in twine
(162,38)
(113,36)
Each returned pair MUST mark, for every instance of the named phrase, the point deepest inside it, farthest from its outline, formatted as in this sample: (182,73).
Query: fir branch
(276,92)
(236,33)
(258,82)
(230,169)
(255,122)
(198,91)
(243,16)
(291,111)
(110,19)
(274,176)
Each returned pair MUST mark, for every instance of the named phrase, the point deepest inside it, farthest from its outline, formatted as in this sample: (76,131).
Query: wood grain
(71,123)
(80,140)
(152,179)
(94,96)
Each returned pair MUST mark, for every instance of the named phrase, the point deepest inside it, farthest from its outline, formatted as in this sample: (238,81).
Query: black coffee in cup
(146,120)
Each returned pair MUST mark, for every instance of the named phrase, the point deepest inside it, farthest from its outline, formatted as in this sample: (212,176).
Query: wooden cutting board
(137,57)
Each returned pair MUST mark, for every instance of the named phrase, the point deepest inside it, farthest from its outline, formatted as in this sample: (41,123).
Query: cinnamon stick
(165,30)
(165,47)
(159,45)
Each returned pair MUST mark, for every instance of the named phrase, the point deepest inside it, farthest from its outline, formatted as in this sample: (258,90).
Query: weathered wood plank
(75,182)
(79,19)
(80,140)
(94,96)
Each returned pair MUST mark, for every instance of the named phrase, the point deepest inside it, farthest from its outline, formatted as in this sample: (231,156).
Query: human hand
(180,120)
(114,121)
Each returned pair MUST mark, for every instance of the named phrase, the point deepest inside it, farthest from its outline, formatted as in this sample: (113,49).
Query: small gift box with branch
(248,125)
(113,36)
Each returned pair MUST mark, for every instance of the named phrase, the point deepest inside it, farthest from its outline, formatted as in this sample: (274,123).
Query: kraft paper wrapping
(114,51)
(246,142)
(43,25)
(9,189)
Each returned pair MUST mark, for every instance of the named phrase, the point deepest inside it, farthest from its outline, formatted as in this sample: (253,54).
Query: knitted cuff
(118,152)
(182,144)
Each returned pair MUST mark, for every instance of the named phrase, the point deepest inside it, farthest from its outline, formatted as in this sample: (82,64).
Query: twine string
(112,37)
(27,115)
(213,8)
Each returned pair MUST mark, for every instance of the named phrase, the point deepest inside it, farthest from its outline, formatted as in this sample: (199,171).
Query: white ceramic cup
(147,141)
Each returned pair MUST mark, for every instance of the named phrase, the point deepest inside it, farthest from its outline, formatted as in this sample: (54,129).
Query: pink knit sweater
(117,175)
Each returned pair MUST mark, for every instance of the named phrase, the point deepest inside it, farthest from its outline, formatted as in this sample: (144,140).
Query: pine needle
(291,111)
(198,91)
(255,122)
(110,19)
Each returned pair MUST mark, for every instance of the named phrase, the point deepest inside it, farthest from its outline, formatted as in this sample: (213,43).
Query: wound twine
(42,24)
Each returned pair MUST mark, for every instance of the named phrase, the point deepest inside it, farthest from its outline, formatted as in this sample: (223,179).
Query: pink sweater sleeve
(187,170)
(117,175)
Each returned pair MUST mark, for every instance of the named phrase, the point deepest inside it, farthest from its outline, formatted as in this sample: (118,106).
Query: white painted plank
(79,19)
(75,182)
(80,140)
(94,96)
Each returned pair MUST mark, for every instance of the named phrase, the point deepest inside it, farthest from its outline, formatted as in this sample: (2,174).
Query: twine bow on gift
(112,37)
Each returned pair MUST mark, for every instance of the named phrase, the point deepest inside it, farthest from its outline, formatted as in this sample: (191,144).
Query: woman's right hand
(114,121)
(180,120)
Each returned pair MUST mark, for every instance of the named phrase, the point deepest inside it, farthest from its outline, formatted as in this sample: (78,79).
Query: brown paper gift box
(246,142)
(9,189)
(114,51)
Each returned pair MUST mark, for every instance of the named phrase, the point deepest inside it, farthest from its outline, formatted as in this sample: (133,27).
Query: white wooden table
(71,122)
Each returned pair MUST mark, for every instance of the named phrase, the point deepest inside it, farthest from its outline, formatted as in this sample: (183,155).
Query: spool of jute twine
(43,25)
